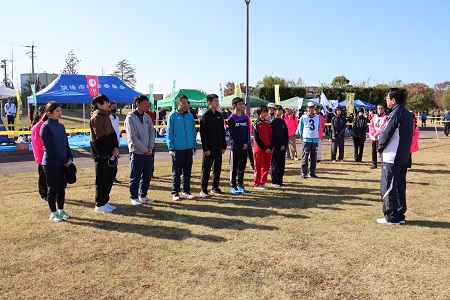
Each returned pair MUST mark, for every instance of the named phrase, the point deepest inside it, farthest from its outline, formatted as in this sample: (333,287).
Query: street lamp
(247,88)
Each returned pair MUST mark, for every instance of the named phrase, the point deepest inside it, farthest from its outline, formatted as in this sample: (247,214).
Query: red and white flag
(92,83)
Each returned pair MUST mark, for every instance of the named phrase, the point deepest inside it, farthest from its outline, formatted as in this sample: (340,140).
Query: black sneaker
(373,167)
(303,177)
(217,191)
(313,176)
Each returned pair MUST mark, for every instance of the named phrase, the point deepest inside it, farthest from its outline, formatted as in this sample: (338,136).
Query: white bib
(310,127)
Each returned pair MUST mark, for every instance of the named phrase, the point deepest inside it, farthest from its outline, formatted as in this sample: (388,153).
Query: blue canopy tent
(69,88)
(359,104)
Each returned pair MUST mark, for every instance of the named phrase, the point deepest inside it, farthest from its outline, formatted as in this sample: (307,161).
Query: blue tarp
(359,104)
(73,89)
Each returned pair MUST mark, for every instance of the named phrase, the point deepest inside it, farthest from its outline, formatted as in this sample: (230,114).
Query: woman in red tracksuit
(262,133)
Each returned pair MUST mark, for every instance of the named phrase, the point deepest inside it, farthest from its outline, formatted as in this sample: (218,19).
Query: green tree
(125,72)
(71,63)
(340,81)
(418,103)
(229,89)
(270,81)
(445,99)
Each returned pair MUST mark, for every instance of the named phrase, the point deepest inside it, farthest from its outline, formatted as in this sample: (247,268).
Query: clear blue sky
(198,42)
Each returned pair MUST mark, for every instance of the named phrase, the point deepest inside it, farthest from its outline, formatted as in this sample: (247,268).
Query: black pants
(238,162)
(374,153)
(104,178)
(42,183)
(393,191)
(214,160)
(10,121)
(358,145)
(182,164)
(56,186)
(337,142)
(278,164)
(250,155)
(447,129)
(309,154)
(424,123)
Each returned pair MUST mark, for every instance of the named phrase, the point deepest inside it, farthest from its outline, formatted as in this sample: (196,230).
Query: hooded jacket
(376,126)
(141,135)
(103,136)
(36,142)
(212,131)
(338,125)
(56,146)
(181,132)
(359,128)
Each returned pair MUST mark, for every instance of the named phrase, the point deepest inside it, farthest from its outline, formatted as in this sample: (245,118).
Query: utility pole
(5,80)
(32,56)
(247,88)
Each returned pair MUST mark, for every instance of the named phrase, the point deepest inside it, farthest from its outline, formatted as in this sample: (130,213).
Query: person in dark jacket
(262,133)
(280,141)
(395,145)
(338,125)
(104,150)
(359,133)
(57,156)
(446,122)
(239,128)
(329,117)
(212,134)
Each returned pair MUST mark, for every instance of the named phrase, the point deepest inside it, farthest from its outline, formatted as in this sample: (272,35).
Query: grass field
(315,239)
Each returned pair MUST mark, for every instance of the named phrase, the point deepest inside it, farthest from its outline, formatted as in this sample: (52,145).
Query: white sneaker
(175,197)
(145,199)
(112,207)
(333,161)
(264,186)
(187,196)
(276,185)
(385,222)
(103,209)
(136,202)
(260,187)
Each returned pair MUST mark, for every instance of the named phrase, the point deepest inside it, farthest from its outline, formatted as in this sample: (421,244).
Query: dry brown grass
(316,239)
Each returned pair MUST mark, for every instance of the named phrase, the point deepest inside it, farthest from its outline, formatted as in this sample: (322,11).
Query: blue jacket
(56,147)
(446,118)
(395,140)
(181,132)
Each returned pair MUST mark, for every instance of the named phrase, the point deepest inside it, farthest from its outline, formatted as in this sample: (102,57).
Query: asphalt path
(13,164)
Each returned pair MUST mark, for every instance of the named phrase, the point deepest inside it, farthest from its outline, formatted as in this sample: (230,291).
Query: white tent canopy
(4,91)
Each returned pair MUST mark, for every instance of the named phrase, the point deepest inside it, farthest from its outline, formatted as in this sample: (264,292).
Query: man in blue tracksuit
(181,142)
(394,145)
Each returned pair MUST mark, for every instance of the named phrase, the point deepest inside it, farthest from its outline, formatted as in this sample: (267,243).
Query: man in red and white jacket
(292,124)
(262,133)
(375,128)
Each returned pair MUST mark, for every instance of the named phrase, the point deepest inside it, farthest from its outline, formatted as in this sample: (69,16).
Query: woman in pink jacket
(292,124)
(38,149)
(414,144)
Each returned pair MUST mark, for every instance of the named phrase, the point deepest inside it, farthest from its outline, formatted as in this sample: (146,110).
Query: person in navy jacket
(57,156)
(181,143)
(394,146)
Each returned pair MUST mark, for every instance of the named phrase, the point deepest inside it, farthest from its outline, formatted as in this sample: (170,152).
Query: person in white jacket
(115,124)
(10,111)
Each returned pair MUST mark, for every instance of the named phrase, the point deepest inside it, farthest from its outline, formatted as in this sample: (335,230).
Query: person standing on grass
(104,150)
(308,130)
(57,156)
(375,129)
(10,111)
(38,149)
(321,131)
(424,119)
(262,133)
(214,144)
(249,146)
(280,140)
(115,124)
(292,123)
(338,125)
(141,141)
(153,117)
(446,122)
(239,128)
(359,134)
(414,143)
(394,146)
(181,143)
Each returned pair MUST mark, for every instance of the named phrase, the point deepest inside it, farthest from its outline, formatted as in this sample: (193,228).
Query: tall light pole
(247,88)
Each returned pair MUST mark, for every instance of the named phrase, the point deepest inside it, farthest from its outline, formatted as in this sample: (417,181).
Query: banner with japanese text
(19,109)
(350,102)
(277,94)
(220,89)
(92,83)
(174,85)
(237,90)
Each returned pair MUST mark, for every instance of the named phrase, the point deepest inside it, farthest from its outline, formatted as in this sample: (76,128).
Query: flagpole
(247,89)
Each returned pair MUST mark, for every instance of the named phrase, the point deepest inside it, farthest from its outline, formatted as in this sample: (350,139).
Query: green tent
(196,99)
(254,101)
(293,102)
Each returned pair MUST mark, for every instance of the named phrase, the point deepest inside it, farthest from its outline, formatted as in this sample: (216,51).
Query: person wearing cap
(321,131)
(271,114)
(280,141)
(292,123)
(57,156)
(338,126)
(308,129)
(359,126)
(141,141)
(104,149)
(238,126)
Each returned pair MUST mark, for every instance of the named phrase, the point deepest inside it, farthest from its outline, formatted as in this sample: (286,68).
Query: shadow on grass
(162,232)
(439,172)
(431,224)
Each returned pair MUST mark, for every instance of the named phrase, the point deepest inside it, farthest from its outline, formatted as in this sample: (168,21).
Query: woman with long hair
(38,148)
(57,156)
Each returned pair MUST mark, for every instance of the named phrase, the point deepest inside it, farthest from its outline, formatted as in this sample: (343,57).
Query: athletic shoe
(103,209)
(296,158)
(175,197)
(188,196)
(264,186)
(303,176)
(204,194)
(333,161)
(217,191)
(55,217)
(112,207)
(385,222)
(242,189)
(313,176)
(402,222)
(136,202)
(260,187)
(341,160)
(276,185)
(373,167)
(145,199)
(235,191)
(44,199)
(63,214)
